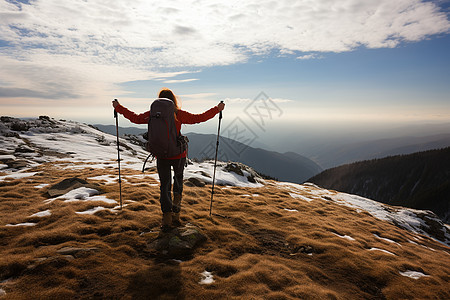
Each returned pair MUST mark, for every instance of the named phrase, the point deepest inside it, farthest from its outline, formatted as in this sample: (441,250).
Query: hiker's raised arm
(188,118)
(132,116)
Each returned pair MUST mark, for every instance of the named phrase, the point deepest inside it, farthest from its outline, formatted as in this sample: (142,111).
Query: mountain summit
(266,240)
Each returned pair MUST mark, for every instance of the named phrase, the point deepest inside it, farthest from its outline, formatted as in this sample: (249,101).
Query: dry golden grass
(255,250)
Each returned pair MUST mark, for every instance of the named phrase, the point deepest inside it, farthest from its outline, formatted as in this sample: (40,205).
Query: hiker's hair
(167,93)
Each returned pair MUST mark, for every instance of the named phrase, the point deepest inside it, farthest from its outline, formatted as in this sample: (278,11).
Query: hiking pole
(215,162)
(118,155)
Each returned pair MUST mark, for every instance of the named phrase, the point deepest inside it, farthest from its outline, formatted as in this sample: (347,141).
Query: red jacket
(183,117)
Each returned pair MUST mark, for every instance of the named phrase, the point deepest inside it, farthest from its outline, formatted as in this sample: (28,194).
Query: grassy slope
(256,249)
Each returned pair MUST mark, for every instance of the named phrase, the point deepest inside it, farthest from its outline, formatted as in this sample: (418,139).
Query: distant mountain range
(331,156)
(420,180)
(287,166)
(111,129)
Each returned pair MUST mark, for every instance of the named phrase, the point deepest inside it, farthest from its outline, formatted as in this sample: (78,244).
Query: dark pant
(164,171)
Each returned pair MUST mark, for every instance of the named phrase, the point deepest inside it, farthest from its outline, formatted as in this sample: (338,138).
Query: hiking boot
(166,222)
(176,222)
(176,210)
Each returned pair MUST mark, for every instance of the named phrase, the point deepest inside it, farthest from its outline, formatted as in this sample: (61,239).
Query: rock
(23,149)
(11,134)
(44,263)
(76,252)
(180,242)
(45,118)
(6,158)
(5,119)
(195,182)
(69,184)
(240,168)
(20,126)
(234,167)
(18,164)
(434,226)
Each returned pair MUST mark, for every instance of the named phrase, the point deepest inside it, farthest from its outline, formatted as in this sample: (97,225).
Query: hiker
(170,209)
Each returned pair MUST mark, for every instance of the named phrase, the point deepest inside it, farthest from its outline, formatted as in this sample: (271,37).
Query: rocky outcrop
(76,251)
(70,184)
(178,243)
(194,182)
(242,170)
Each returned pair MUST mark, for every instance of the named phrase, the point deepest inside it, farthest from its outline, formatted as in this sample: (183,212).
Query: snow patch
(110,179)
(94,198)
(92,146)
(17,175)
(297,196)
(42,185)
(294,186)
(297,191)
(22,224)
(290,210)
(155,176)
(347,237)
(207,277)
(382,250)
(413,274)
(41,214)
(387,240)
(428,248)
(91,211)
(82,194)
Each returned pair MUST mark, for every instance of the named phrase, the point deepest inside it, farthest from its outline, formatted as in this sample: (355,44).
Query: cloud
(183,30)
(82,48)
(308,56)
(22,93)
(146,35)
(180,80)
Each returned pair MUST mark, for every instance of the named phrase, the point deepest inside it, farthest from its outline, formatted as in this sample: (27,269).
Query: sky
(284,68)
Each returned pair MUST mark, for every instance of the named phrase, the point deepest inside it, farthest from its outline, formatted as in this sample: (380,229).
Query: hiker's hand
(221,106)
(115,103)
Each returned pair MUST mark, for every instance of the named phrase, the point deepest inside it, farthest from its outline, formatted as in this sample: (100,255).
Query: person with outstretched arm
(170,209)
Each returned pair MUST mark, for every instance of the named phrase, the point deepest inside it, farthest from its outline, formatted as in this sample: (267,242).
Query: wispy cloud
(308,56)
(180,80)
(82,48)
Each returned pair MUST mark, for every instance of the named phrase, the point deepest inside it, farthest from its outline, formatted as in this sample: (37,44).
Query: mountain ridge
(420,180)
(287,166)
